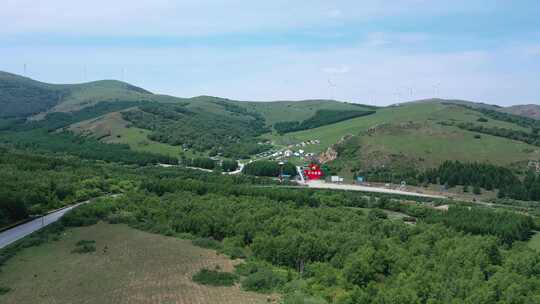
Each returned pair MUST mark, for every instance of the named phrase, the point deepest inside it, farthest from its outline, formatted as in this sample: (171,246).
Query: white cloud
(337,69)
(201,17)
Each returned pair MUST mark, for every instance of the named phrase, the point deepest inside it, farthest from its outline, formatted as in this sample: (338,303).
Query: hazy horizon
(373,52)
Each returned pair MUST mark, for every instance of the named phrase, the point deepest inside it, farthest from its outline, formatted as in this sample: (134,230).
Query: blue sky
(377,52)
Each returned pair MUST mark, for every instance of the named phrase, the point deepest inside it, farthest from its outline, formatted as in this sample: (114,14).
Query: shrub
(235,253)
(215,278)
(4,290)
(377,214)
(85,246)
(208,243)
(263,280)
(85,242)
(229,165)
(477,190)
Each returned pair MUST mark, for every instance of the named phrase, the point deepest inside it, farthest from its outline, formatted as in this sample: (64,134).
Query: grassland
(413,132)
(129,266)
(418,112)
(280,111)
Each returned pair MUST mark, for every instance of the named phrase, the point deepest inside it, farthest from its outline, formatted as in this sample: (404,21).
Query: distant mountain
(531,110)
(476,105)
(23,97)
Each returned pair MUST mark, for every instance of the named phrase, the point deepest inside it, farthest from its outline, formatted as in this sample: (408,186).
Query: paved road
(16,233)
(323,185)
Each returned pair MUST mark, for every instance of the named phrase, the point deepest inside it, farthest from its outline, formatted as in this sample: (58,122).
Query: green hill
(420,135)
(20,96)
(281,111)
(23,97)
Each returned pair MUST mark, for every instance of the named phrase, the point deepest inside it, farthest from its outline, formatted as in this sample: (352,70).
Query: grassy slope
(85,94)
(442,142)
(137,267)
(112,128)
(279,111)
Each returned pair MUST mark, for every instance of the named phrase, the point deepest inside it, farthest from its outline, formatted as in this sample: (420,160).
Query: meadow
(128,266)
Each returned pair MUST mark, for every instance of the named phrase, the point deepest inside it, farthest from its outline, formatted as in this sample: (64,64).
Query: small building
(336,179)
(313,172)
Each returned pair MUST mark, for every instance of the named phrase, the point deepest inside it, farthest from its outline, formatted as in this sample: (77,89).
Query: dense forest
(269,168)
(89,148)
(336,253)
(231,135)
(327,246)
(321,118)
(50,182)
(486,176)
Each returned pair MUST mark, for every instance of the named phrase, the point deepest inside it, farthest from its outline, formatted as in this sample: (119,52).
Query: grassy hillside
(280,111)
(412,134)
(112,128)
(20,96)
(82,95)
(201,124)
(23,97)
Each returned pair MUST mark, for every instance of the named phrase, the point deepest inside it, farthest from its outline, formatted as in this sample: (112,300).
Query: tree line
(320,118)
(510,184)
(269,168)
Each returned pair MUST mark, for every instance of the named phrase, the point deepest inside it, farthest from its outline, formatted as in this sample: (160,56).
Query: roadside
(18,232)
(324,185)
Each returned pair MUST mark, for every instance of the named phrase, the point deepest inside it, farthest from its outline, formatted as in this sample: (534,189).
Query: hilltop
(23,97)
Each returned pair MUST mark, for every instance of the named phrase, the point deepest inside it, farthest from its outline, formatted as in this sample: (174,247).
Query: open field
(129,266)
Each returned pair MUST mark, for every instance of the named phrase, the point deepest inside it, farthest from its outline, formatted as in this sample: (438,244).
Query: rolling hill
(117,112)
(421,133)
(415,135)
(24,97)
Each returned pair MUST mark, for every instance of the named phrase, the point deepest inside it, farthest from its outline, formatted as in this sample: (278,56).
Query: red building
(313,172)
